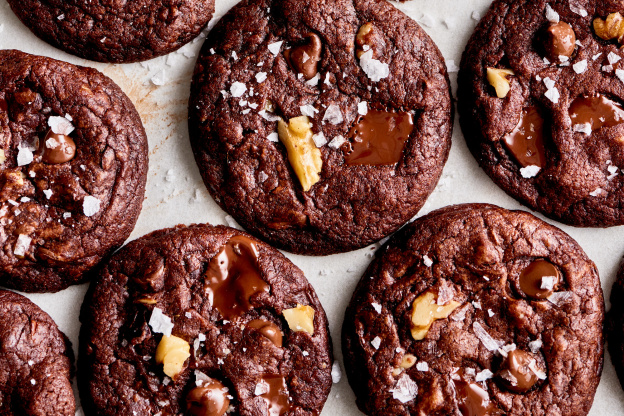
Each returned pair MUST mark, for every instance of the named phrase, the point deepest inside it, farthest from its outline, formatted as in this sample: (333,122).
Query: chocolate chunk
(209,399)
(275,394)
(58,148)
(539,279)
(598,111)
(517,371)
(268,330)
(304,59)
(472,399)
(560,41)
(526,141)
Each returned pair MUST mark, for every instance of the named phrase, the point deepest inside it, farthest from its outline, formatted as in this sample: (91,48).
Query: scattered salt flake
(337,142)
(594,57)
(305,353)
(578,10)
(490,313)
(504,350)
(460,314)
(376,342)
(539,373)
(188,315)
(596,192)
(31,363)
(262,388)
(422,366)
(47,193)
(607,68)
(362,108)
(548,282)
(274,137)
(319,139)
(580,66)
(477,305)
(327,80)
(563,58)
(551,15)
(445,293)
(237,89)
(582,128)
(374,69)
(33,381)
(488,342)
(405,390)
(313,82)
(261,77)
(201,337)
(333,115)
(553,95)
(60,125)
(549,83)
(535,345)
(475,15)
(234,55)
(336,373)
(559,298)
(24,156)
(483,375)
(376,306)
(247,111)
(470,371)
(613,170)
(308,110)
(159,78)
(450,66)
(52,143)
(275,47)
(12,202)
(24,199)
(613,58)
(427,261)
(160,323)
(22,245)
(620,74)
(578,43)
(268,116)
(530,171)
(90,205)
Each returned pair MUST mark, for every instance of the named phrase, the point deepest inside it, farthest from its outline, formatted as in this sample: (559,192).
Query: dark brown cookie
(362,105)
(36,361)
(73,164)
(615,325)
(550,133)
(476,310)
(248,334)
(115,31)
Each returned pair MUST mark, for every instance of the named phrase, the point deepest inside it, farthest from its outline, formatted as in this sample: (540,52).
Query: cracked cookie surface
(118,31)
(189,319)
(565,92)
(348,67)
(73,171)
(476,310)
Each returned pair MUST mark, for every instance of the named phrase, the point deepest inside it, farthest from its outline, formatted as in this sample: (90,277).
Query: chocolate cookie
(540,94)
(115,31)
(202,320)
(615,325)
(476,310)
(318,134)
(73,164)
(36,361)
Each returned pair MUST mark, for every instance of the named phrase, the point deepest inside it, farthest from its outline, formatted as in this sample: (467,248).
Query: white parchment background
(175,193)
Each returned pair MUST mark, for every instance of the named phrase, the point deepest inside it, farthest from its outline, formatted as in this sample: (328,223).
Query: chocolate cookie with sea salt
(73,165)
(476,310)
(320,135)
(541,87)
(203,321)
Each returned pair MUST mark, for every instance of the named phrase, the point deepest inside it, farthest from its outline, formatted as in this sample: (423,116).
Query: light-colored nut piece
(300,318)
(408,361)
(361,38)
(425,310)
(2,157)
(172,352)
(610,28)
(148,301)
(303,155)
(498,79)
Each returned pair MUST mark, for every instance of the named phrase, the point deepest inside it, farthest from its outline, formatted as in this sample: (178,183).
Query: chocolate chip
(267,329)
(58,148)
(516,373)
(304,58)
(526,141)
(539,279)
(598,111)
(560,41)
(210,399)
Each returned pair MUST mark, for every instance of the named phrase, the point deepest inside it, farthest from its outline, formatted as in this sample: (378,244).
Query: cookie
(115,31)
(476,310)
(73,165)
(615,325)
(36,360)
(540,102)
(320,135)
(202,320)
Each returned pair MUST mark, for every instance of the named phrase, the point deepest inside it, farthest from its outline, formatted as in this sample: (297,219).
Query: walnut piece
(172,352)
(300,318)
(408,361)
(498,79)
(303,155)
(425,310)
(610,28)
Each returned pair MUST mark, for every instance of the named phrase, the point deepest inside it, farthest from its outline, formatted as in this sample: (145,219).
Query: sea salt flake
(551,15)
(262,177)
(376,306)
(539,373)
(548,282)
(327,80)
(313,82)
(268,116)
(504,350)
(427,261)
(535,345)
(274,137)
(553,95)
(319,139)
(160,323)
(483,375)
(24,199)
(445,293)
(234,55)
(422,366)
(47,193)
(580,66)
(488,342)
(559,298)
(336,372)
(594,57)
(261,77)
(596,192)
(333,115)
(201,337)
(450,66)
(530,171)
(305,353)
(578,10)
(477,305)
(563,58)
(262,388)
(470,371)
(275,47)
(490,313)
(33,381)
(374,69)
(613,58)
(308,110)
(620,74)
(582,128)
(22,245)
(362,108)
(607,68)
(237,89)
(613,170)
(337,142)
(12,202)
(405,390)
(159,78)
(247,111)
(24,156)
(460,314)
(376,343)
(549,83)
(90,205)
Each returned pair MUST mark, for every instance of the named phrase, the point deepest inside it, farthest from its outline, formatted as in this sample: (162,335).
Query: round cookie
(476,310)
(199,320)
(540,101)
(73,156)
(615,325)
(320,135)
(36,360)
(115,31)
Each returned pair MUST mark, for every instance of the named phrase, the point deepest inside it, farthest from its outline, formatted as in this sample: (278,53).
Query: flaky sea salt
(262,388)
(552,94)
(548,282)
(483,375)
(578,10)
(477,305)
(445,293)
(47,193)
(374,69)
(22,245)
(337,142)
(313,82)
(551,15)
(613,171)
(580,66)
(237,89)
(422,366)
(620,74)
(333,115)
(60,125)
(376,306)
(261,77)
(530,171)
(319,139)
(460,314)
(539,373)
(275,47)
(505,349)
(268,116)
(24,156)
(488,342)
(362,108)
(160,323)
(559,298)
(582,128)
(308,110)
(535,346)
(274,137)
(376,343)
(613,58)
(405,390)
(427,261)
(90,205)
(336,373)
(596,192)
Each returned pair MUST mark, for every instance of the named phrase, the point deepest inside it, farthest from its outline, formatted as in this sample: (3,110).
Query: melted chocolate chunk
(57,148)
(378,138)
(304,59)
(532,280)
(268,329)
(276,396)
(233,277)
(472,399)
(210,399)
(526,141)
(597,111)
(560,41)
(516,374)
